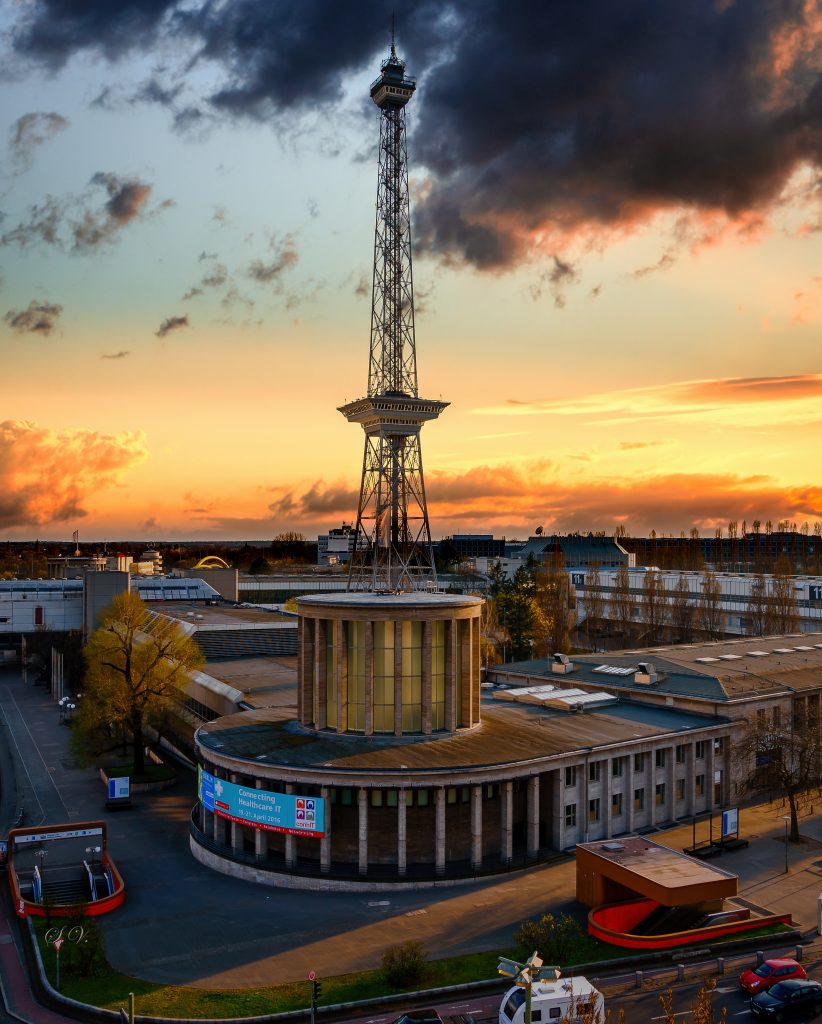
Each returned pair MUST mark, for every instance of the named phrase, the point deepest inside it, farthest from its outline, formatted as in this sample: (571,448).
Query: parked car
(788,1000)
(769,973)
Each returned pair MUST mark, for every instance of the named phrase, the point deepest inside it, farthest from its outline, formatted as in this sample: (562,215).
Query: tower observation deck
(392,544)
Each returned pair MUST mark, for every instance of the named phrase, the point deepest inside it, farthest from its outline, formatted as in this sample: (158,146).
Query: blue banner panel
(277,812)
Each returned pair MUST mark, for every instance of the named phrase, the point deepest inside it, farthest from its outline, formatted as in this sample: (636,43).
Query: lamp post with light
(526,974)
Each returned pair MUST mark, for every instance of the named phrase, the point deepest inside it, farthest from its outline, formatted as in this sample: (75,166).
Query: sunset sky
(617,220)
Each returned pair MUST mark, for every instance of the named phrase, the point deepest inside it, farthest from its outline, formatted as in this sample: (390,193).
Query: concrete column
(342,676)
(236,828)
(629,787)
(260,834)
(427,695)
(362,804)
(402,846)
(558,824)
(607,803)
(325,842)
(290,841)
(398,679)
(320,675)
(506,792)
(474,675)
(369,678)
(533,816)
(709,771)
(670,782)
(439,846)
(451,682)
(476,827)
(690,779)
(650,787)
(466,710)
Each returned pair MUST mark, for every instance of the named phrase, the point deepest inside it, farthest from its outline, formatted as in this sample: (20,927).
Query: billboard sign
(118,789)
(277,812)
(44,837)
(730,822)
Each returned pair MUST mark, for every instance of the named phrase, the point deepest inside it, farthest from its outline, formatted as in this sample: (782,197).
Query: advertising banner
(730,822)
(277,812)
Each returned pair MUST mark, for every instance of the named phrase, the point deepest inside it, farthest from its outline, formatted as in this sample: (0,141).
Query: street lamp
(786,819)
(526,974)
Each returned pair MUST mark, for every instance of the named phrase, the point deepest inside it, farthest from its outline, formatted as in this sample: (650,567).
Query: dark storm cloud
(40,318)
(539,123)
(171,323)
(31,131)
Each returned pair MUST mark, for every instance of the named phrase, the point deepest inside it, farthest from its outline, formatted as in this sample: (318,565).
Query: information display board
(277,812)
(730,822)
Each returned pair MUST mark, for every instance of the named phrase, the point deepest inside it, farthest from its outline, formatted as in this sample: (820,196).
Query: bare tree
(758,609)
(781,755)
(784,614)
(682,610)
(710,607)
(623,604)
(653,604)
(553,598)
(594,605)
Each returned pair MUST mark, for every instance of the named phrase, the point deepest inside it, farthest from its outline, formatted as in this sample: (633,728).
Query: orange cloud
(46,475)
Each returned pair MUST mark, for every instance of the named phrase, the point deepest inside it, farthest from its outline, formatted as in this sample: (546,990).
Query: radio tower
(392,543)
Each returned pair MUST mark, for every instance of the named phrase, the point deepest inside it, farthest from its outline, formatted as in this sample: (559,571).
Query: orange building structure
(647,896)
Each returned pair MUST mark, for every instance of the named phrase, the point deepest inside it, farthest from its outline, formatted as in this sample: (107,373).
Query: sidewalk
(184,924)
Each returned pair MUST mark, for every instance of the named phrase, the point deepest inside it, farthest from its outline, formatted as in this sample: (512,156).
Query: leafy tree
(137,664)
(554,617)
(555,936)
(781,754)
(259,567)
(516,615)
(497,580)
(404,964)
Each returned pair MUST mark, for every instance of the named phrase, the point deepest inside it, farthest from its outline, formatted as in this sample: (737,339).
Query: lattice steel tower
(392,545)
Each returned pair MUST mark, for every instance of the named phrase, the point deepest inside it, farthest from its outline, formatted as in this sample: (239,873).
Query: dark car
(789,1000)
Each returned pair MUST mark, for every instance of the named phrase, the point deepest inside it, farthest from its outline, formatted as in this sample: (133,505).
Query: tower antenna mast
(392,541)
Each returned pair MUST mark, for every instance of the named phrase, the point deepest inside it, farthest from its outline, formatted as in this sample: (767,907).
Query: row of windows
(347,797)
(595,804)
(596,768)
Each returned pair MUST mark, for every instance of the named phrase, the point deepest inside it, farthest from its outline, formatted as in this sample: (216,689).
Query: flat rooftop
(414,599)
(205,616)
(719,671)
(264,681)
(508,734)
(658,864)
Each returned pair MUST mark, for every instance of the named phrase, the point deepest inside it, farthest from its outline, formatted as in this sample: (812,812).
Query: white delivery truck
(564,1001)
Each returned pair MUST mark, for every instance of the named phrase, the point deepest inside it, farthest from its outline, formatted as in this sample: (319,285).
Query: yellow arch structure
(212,562)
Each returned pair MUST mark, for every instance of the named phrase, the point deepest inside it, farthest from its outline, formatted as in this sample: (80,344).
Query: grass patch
(110,989)
(151,773)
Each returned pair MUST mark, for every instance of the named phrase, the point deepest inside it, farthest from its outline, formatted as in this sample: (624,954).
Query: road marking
(740,1013)
(679,1013)
(725,991)
(22,759)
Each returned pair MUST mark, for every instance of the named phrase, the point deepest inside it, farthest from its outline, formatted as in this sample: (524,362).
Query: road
(642,1005)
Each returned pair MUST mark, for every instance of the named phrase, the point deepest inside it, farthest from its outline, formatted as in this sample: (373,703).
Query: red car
(769,973)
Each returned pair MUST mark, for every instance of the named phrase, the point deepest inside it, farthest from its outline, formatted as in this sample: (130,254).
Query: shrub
(553,936)
(404,964)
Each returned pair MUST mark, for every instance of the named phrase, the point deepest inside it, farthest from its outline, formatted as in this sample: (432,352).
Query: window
(639,799)
(593,809)
(391,798)
(422,798)
(699,785)
(409,798)
(345,797)
(659,758)
(465,794)
(616,767)
(681,753)
(555,1013)
(719,742)
(451,795)
(639,762)
(761,718)
(594,771)
(570,815)
(616,805)
(659,795)
(700,750)
(777,717)
(680,789)
(376,798)
(571,775)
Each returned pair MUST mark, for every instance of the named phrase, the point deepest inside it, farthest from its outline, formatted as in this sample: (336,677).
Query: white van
(565,1001)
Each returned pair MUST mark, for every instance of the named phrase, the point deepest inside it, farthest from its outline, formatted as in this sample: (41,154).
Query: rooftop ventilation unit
(562,664)
(645,674)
